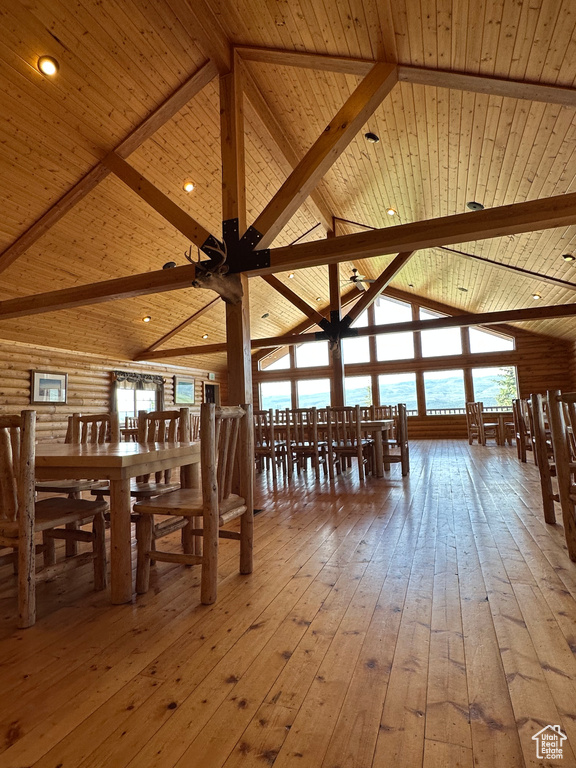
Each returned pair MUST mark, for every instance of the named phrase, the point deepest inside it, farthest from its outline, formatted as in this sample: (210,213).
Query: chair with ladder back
(22,517)
(227,448)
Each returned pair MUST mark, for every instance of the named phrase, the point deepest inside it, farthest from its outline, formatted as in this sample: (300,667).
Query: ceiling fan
(360,281)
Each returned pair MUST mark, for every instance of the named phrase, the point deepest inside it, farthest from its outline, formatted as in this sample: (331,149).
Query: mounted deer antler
(212,274)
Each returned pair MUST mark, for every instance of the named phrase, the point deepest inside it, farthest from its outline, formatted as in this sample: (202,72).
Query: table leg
(378,453)
(120,542)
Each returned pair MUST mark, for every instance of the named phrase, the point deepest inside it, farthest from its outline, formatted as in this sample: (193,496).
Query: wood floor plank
(420,621)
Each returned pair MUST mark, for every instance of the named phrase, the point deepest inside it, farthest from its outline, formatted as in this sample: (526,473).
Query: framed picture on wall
(48,387)
(183,390)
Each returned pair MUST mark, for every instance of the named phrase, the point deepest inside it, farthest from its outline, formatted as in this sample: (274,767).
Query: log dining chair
(345,440)
(478,429)
(396,448)
(90,428)
(562,414)
(93,428)
(268,449)
(158,427)
(22,517)
(522,432)
(544,454)
(226,436)
(304,441)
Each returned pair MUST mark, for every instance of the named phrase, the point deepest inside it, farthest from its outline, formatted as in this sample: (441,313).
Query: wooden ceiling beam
(316,201)
(157,200)
(184,324)
(460,321)
(139,135)
(96,293)
(370,296)
(342,64)
(492,86)
(325,151)
(294,299)
(531,216)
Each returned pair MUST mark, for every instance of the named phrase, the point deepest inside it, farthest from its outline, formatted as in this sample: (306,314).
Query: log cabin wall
(89,383)
(541,362)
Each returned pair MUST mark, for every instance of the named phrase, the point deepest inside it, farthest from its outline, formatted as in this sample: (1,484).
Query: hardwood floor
(429,621)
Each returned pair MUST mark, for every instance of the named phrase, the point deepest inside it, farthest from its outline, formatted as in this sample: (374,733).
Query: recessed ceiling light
(391,211)
(188,186)
(474,206)
(410,285)
(265,315)
(371,137)
(569,257)
(291,275)
(536,296)
(146,319)
(205,336)
(48,65)
(464,290)
(318,298)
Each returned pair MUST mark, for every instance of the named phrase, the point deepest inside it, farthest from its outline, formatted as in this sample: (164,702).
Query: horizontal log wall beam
(139,135)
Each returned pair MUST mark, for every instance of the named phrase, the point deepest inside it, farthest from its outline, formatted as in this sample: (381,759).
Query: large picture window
(397,388)
(487,341)
(272,363)
(393,346)
(358,390)
(444,341)
(311,354)
(275,394)
(444,391)
(357,350)
(495,387)
(313,393)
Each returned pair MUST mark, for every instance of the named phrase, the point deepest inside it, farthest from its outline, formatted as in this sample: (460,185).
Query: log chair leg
(99,546)
(144,542)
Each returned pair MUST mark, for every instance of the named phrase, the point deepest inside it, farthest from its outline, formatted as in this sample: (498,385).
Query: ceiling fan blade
(359,285)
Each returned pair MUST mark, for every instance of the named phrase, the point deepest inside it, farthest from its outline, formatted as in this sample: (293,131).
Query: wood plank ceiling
(438,149)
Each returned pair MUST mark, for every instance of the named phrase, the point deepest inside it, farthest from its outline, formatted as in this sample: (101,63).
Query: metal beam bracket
(241,256)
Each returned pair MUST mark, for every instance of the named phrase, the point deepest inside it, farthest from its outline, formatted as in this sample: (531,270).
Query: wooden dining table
(378,429)
(118,463)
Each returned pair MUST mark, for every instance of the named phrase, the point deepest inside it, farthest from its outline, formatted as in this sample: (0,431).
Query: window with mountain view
(444,392)
(397,388)
(495,387)
(313,393)
(275,394)
(358,390)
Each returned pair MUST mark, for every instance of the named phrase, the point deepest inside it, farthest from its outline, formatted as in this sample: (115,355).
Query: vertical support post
(234,216)
(336,359)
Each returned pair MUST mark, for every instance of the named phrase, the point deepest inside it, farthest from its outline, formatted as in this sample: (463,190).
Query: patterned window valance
(132,380)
